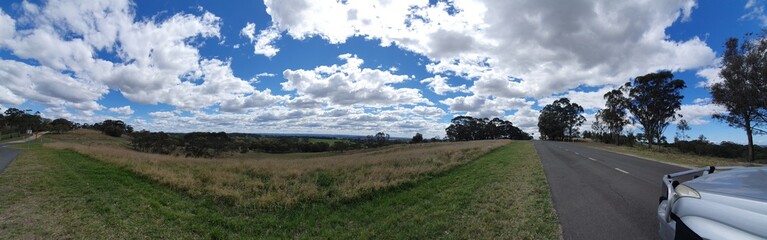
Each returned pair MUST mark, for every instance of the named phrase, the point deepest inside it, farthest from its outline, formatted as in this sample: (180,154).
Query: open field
(58,193)
(668,155)
(283,182)
(326,140)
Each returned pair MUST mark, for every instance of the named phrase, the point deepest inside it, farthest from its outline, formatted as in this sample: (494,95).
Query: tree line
(212,144)
(467,128)
(15,122)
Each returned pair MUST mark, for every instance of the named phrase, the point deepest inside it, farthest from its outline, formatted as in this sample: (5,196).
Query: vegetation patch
(284,182)
(53,193)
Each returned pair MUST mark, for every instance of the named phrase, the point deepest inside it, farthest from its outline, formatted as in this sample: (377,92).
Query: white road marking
(621,170)
(576,153)
(592,159)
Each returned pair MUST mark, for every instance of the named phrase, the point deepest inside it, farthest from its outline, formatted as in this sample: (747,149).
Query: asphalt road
(7,155)
(600,194)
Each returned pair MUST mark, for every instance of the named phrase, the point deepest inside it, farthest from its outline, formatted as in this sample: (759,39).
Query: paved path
(600,194)
(7,155)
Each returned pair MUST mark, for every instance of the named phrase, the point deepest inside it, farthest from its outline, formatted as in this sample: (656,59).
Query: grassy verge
(281,183)
(668,155)
(7,137)
(51,193)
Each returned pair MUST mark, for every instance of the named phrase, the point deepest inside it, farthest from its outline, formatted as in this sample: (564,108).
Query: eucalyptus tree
(742,91)
(653,100)
(560,119)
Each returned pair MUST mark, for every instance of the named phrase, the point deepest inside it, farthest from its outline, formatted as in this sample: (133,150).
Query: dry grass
(279,182)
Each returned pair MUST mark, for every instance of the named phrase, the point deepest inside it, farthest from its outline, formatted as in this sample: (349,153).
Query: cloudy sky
(354,66)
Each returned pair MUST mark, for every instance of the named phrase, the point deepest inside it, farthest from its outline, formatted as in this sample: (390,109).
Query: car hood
(741,182)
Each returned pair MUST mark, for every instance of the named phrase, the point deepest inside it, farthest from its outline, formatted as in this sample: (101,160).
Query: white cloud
(699,113)
(526,119)
(439,85)
(264,41)
(478,106)
(349,84)
(162,114)
(429,112)
(398,121)
(756,12)
(21,82)
(711,74)
(155,61)
(541,49)
(249,31)
(702,101)
(124,110)
(588,100)
(254,100)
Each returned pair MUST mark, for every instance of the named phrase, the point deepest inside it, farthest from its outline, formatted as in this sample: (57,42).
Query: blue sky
(355,67)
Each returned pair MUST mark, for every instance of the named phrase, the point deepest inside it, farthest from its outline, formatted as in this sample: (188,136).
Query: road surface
(600,194)
(7,155)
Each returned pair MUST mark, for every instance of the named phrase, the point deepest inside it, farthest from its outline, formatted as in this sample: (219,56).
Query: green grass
(7,137)
(668,155)
(50,193)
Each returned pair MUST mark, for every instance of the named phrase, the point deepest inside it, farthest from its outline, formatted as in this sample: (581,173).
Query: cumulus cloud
(350,84)
(439,85)
(700,112)
(153,61)
(264,41)
(711,74)
(21,82)
(593,100)
(124,110)
(479,106)
(526,119)
(545,48)
(397,121)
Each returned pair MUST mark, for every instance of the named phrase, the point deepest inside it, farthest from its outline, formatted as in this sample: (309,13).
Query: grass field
(280,182)
(669,155)
(59,193)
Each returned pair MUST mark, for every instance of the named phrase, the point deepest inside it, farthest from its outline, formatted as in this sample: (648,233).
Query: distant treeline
(211,144)
(15,122)
(466,128)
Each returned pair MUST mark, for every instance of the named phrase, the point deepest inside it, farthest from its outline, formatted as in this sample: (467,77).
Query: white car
(714,203)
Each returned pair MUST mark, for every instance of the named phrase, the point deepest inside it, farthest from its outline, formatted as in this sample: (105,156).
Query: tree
(682,128)
(418,138)
(466,128)
(381,138)
(61,125)
(615,114)
(560,120)
(653,100)
(741,92)
(206,144)
(114,128)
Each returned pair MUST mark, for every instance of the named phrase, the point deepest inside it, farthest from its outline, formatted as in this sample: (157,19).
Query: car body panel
(743,183)
(719,214)
(732,204)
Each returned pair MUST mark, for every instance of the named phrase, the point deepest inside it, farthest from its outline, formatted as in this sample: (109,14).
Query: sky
(357,67)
